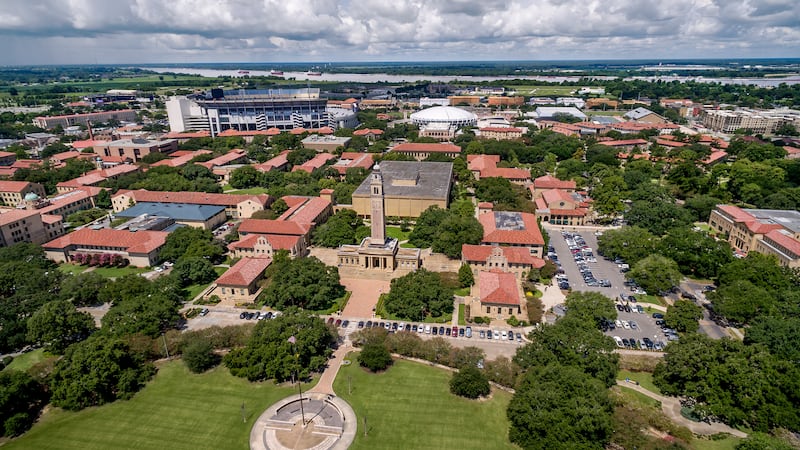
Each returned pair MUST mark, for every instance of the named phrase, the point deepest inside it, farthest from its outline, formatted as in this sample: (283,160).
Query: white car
(618,340)
(427,329)
(626,325)
(496,334)
(618,323)
(421,329)
(504,334)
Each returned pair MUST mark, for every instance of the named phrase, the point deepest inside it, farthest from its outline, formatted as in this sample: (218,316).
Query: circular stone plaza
(322,422)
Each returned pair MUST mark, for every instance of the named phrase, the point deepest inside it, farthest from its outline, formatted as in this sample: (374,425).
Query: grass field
(538,91)
(72,268)
(195,289)
(116,272)
(645,379)
(177,410)
(654,299)
(410,406)
(462,321)
(639,397)
(250,191)
(729,443)
(394,232)
(25,361)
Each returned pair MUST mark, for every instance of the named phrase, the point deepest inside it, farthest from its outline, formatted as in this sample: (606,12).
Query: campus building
(485,166)
(759,121)
(409,188)
(512,229)
(768,231)
(496,294)
(421,151)
(48,122)
(206,217)
(239,284)
(249,110)
(135,149)
(236,206)
(516,260)
(140,248)
(22,225)
(378,252)
(12,193)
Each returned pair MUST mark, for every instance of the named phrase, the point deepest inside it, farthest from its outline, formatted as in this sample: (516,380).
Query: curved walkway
(672,408)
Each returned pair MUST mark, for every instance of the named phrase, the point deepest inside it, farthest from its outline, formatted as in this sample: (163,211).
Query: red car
(455,332)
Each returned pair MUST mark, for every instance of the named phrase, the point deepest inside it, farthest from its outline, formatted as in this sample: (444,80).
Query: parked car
(618,340)
(427,329)
(204,311)
(461,332)
(346,323)
(360,324)
(482,334)
(468,332)
(330,320)
(441,331)
(519,337)
(338,322)
(658,316)
(455,332)
(434,331)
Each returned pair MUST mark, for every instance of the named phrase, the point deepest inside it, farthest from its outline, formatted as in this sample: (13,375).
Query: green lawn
(116,272)
(645,379)
(410,406)
(249,191)
(654,299)
(394,232)
(729,443)
(25,361)
(639,397)
(195,289)
(72,268)
(177,410)
(462,321)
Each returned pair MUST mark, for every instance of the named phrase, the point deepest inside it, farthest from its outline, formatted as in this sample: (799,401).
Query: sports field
(177,410)
(410,407)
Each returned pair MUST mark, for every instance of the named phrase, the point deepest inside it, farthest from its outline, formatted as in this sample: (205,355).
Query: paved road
(671,406)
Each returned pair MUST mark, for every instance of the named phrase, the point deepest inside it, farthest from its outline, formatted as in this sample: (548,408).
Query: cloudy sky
(178,31)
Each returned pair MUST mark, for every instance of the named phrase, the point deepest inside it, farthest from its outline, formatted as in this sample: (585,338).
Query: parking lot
(644,324)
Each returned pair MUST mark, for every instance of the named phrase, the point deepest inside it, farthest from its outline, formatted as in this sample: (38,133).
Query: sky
(184,31)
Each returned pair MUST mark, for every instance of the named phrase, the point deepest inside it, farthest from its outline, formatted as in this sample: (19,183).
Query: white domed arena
(444,115)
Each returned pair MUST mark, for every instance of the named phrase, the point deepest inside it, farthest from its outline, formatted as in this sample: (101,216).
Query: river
(384,77)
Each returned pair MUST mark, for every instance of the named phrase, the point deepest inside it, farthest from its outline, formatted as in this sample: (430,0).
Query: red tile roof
(624,142)
(501,129)
(194,198)
(498,288)
(670,143)
(738,214)
(88,143)
(788,242)
(718,155)
(225,159)
(367,132)
(267,226)
(486,205)
(180,160)
(551,182)
(277,162)
(481,162)
(276,241)
(552,196)
(314,163)
(429,148)
(132,242)
(307,211)
(14,215)
(244,272)
(514,255)
(13,186)
(509,173)
(528,234)
(350,160)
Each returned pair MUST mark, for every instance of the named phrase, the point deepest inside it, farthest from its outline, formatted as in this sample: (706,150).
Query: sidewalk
(325,383)
(671,406)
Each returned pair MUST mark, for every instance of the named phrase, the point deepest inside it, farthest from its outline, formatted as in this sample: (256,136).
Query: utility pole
(349,385)
(166,350)
(244,415)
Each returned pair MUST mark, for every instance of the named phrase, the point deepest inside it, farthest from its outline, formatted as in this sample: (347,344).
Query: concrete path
(364,295)
(671,406)
(325,383)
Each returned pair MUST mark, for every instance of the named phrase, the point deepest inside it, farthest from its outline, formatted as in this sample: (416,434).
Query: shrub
(199,356)
(512,321)
(469,382)
(375,357)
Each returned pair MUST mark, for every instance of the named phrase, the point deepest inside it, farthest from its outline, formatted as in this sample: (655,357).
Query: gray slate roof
(433,180)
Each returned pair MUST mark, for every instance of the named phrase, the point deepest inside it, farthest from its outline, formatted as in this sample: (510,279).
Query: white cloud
(76,31)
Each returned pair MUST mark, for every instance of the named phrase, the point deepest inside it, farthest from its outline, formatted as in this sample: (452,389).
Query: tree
(57,325)
(469,382)
(193,270)
(656,274)
(759,269)
(141,306)
(683,316)
(736,383)
(21,399)
(304,282)
(560,407)
(632,244)
(658,217)
(244,177)
(778,334)
(103,199)
(96,371)
(465,276)
(427,227)
(269,354)
(741,301)
(199,356)
(83,289)
(179,241)
(501,192)
(455,231)
(417,294)
(340,229)
(695,252)
(375,357)
(571,342)
(701,206)
(535,309)
(591,307)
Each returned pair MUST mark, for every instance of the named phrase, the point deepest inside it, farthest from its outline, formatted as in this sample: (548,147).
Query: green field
(394,232)
(542,91)
(410,406)
(729,443)
(25,361)
(194,290)
(72,268)
(250,191)
(639,397)
(116,272)
(645,379)
(654,299)
(177,410)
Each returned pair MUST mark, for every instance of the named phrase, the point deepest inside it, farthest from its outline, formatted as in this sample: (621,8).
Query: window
(488,310)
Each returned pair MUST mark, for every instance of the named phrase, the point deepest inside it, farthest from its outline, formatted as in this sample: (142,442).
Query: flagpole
(293,341)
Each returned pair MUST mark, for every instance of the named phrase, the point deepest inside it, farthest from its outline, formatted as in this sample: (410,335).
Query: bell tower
(378,231)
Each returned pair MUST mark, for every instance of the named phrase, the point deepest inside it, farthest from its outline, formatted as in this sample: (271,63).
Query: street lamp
(293,341)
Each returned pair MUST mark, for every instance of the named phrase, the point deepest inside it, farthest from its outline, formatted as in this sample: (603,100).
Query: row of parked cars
(454,331)
(583,255)
(258,315)
(644,343)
